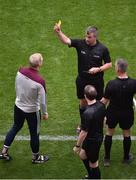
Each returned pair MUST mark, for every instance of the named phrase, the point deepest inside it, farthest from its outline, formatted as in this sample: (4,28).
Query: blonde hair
(36,60)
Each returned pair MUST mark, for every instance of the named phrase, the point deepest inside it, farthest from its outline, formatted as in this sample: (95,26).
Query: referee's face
(90,39)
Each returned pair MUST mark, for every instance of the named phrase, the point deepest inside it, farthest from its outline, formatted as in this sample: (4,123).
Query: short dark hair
(92,29)
(90,92)
(121,65)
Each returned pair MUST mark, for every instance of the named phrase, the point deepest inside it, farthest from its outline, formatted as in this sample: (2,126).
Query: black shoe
(129,160)
(106,162)
(40,159)
(5,157)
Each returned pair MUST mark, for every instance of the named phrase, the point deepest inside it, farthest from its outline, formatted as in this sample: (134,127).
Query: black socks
(107,146)
(126,146)
(95,173)
(86,164)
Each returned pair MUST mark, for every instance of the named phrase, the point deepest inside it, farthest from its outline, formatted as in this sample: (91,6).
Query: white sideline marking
(59,138)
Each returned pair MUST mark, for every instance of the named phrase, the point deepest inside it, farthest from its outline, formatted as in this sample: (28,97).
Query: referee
(91,135)
(30,95)
(93,60)
(119,93)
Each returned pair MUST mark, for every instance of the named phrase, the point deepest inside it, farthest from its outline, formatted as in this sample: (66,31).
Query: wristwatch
(77,146)
(100,70)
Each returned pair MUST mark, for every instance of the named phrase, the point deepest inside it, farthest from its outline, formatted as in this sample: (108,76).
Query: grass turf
(63,163)
(26,26)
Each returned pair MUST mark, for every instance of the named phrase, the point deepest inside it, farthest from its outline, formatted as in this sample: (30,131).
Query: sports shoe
(40,159)
(128,161)
(5,157)
(106,162)
(86,177)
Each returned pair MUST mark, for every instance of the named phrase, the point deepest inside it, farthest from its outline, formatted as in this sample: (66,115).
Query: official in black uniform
(91,135)
(119,93)
(93,60)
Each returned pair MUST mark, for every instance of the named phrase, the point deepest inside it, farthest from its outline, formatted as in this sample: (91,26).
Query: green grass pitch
(26,26)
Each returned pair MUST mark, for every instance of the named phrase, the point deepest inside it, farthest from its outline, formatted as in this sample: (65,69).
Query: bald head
(36,60)
(90,92)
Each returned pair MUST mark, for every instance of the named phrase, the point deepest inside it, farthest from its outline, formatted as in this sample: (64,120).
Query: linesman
(119,93)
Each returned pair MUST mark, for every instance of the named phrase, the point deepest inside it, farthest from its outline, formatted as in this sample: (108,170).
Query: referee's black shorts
(81,82)
(125,118)
(92,149)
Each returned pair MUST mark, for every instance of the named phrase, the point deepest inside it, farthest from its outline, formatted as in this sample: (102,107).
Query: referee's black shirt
(92,121)
(120,92)
(90,56)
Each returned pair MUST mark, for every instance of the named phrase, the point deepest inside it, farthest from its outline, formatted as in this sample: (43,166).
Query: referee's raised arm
(63,38)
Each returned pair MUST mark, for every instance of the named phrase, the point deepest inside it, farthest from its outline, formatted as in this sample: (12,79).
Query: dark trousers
(33,121)
(81,82)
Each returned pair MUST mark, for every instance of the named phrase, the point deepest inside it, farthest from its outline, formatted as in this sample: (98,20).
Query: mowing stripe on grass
(59,138)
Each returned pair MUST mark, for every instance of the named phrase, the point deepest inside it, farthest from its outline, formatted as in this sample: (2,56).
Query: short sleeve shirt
(120,92)
(90,56)
(92,120)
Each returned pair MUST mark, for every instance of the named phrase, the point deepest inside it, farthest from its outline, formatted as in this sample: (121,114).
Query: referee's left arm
(107,61)
(102,68)
(105,67)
